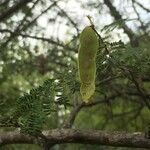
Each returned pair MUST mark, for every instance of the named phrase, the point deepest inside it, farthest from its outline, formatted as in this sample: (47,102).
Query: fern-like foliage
(33,108)
(66,86)
(116,24)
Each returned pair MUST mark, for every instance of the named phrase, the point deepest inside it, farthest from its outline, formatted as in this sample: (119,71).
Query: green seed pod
(86,62)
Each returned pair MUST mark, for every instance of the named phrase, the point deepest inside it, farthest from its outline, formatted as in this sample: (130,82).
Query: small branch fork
(69,122)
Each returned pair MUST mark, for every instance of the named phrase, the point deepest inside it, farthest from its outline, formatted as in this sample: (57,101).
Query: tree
(40,98)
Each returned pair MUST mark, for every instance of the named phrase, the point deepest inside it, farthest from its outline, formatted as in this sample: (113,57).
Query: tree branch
(69,122)
(69,18)
(146,101)
(37,38)
(113,11)
(116,139)
(146,9)
(19,29)
(13,9)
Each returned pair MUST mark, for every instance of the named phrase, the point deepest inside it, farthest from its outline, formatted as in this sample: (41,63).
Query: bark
(116,139)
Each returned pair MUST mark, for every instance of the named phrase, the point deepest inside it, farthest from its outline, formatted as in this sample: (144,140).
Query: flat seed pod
(86,62)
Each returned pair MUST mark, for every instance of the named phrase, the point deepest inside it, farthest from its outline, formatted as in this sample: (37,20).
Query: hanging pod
(87,62)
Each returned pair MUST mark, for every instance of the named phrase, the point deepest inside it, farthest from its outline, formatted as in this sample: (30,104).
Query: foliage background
(39,41)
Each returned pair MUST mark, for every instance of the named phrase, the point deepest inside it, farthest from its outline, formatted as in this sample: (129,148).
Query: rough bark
(116,139)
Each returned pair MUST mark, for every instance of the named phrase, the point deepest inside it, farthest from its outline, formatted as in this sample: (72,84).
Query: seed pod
(86,62)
